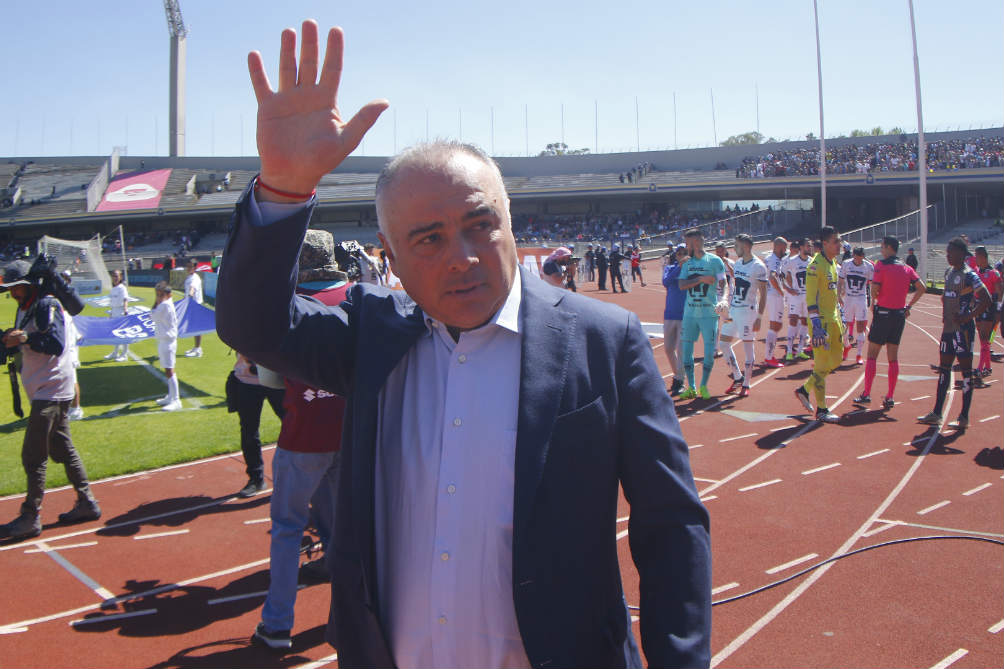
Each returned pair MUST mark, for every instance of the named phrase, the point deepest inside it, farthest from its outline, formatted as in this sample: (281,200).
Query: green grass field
(123,429)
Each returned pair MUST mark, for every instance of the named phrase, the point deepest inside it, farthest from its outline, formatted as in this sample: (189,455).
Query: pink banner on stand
(136,190)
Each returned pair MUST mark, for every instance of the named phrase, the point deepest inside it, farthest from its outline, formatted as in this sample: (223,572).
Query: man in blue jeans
(673,315)
(305,465)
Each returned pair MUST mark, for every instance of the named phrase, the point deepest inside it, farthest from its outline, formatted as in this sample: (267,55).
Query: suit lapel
(546,333)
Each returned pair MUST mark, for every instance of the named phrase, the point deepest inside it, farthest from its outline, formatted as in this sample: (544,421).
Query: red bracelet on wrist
(297,196)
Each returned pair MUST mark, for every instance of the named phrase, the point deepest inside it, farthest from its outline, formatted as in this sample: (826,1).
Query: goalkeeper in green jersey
(825,324)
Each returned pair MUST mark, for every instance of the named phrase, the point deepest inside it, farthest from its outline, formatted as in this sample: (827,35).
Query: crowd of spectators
(942,155)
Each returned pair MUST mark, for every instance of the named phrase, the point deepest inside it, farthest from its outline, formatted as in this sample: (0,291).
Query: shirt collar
(506,318)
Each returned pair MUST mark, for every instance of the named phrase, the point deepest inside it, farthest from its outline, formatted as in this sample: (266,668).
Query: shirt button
(462,358)
(444,556)
(442,620)
(451,488)
(457,422)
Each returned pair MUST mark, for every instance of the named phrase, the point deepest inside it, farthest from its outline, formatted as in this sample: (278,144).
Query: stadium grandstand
(180,206)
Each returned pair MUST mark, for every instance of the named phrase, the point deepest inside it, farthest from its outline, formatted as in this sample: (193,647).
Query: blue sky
(80,78)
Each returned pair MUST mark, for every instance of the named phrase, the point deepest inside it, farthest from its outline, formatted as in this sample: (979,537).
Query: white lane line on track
(817,574)
(977,489)
(246,595)
(984,420)
(693,446)
(922,397)
(951,659)
(622,534)
(257,520)
(873,453)
(933,507)
(820,469)
(997,627)
(623,519)
(709,498)
(317,664)
(111,479)
(62,548)
(741,436)
(880,528)
(939,528)
(783,427)
(156,535)
(760,485)
(93,585)
(723,588)
(793,563)
(115,616)
(705,480)
(133,596)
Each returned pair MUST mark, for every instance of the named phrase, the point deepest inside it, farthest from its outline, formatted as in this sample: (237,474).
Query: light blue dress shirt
(445,482)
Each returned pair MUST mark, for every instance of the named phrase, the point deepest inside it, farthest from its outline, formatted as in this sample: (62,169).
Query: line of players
(749,290)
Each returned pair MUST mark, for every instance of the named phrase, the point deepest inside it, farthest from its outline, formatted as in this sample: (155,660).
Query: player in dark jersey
(965,297)
(987,320)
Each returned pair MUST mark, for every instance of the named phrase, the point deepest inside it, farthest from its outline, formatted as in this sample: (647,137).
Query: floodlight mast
(178,31)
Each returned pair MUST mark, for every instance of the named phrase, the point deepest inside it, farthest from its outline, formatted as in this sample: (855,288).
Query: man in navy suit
(490,418)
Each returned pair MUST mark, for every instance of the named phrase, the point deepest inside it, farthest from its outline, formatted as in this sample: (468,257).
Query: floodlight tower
(176,27)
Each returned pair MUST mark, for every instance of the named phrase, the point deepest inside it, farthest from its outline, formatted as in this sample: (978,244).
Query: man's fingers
(287,60)
(360,124)
(259,80)
(331,73)
(308,53)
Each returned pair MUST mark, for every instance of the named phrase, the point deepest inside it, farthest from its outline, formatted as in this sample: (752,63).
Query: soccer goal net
(83,258)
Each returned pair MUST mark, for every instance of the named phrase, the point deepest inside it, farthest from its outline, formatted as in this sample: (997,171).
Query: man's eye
(429,239)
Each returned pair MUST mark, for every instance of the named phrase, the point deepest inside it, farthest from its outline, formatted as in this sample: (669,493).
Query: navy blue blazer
(593,413)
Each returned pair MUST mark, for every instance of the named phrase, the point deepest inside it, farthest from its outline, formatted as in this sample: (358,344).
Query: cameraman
(559,269)
(47,372)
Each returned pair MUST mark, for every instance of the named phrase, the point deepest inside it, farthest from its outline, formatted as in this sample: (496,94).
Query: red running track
(173,575)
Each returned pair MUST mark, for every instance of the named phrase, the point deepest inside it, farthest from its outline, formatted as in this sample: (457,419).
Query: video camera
(43,274)
(348,256)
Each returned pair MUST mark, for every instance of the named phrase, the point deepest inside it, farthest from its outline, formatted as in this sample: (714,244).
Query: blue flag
(193,319)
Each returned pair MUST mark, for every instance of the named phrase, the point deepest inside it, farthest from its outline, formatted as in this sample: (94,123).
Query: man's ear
(387,249)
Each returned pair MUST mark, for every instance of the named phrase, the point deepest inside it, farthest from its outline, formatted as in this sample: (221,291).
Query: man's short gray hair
(428,154)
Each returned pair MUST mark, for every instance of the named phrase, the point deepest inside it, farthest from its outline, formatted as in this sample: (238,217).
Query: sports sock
(748,349)
(967,392)
(984,354)
(792,329)
(173,393)
(733,363)
(688,362)
(861,343)
(893,376)
(819,390)
(944,378)
(849,329)
(803,337)
(706,371)
(771,342)
(870,369)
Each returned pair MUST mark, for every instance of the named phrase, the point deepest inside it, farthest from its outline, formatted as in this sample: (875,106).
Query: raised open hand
(301,134)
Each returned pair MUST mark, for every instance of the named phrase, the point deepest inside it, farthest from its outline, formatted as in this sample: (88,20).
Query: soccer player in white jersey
(775,298)
(722,252)
(794,284)
(193,289)
(855,276)
(749,299)
(118,302)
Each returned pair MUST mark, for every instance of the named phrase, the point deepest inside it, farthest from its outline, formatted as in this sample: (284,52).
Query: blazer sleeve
(668,527)
(259,314)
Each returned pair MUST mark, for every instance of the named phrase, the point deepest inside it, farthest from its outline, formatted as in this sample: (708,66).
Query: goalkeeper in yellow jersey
(826,326)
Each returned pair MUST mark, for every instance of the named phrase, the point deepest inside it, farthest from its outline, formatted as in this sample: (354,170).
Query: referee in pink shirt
(890,284)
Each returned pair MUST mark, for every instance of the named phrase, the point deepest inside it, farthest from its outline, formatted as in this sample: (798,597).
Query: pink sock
(893,376)
(869,375)
(984,355)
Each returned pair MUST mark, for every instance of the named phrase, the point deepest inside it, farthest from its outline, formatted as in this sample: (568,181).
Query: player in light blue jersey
(702,276)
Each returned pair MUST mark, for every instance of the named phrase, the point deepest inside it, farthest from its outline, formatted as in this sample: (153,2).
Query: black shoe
(315,571)
(802,395)
(826,416)
(888,403)
(675,387)
(22,527)
(82,511)
(252,488)
(273,640)
(862,399)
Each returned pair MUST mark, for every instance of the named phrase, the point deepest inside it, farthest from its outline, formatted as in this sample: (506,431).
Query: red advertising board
(136,190)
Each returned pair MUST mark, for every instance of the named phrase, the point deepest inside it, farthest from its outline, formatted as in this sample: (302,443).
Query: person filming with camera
(39,337)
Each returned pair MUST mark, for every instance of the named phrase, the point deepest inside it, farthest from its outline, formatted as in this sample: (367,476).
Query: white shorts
(796,306)
(740,325)
(855,309)
(167,351)
(774,312)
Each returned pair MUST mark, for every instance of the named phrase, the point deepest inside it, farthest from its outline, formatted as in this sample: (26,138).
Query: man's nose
(461,255)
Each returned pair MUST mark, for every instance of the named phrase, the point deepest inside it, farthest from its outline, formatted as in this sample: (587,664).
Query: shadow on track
(990,457)
(775,440)
(241,652)
(180,511)
(941,443)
